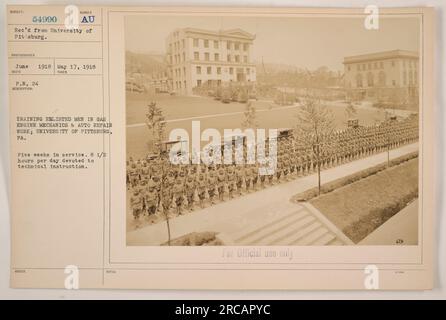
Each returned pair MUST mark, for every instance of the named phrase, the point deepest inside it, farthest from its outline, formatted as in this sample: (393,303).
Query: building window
(247,70)
(195,42)
(393,83)
(410,78)
(237,58)
(415,77)
(196,56)
(404,78)
(375,65)
(219,83)
(363,66)
(237,46)
(370,82)
(381,65)
(228,45)
(358,67)
(229,58)
(183,42)
(245,47)
(198,70)
(393,63)
(382,78)
(209,70)
(185,85)
(215,44)
(216,57)
(206,43)
(348,68)
(206,56)
(359,80)
(245,59)
(198,83)
(184,71)
(369,65)
(184,56)
(231,70)
(218,70)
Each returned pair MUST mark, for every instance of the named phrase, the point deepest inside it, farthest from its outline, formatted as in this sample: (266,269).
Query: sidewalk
(242,212)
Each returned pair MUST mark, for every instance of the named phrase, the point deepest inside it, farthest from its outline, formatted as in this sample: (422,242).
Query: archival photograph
(272,131)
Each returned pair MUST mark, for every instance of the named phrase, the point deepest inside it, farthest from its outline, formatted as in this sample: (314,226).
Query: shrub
(196,239)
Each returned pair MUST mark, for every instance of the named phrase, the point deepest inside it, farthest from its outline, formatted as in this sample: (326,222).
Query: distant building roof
(233,33)
(381,56)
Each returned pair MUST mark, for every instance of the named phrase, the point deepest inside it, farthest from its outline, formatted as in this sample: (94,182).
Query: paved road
(238,213)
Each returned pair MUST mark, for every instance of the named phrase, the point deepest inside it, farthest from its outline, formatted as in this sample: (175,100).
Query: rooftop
(233,33)
(392,54)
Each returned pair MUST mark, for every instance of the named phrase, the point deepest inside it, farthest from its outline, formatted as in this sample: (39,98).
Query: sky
(306,42)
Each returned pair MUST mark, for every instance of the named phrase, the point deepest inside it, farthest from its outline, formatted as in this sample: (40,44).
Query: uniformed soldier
(221,183)
(166,198)
(202,189)
(231,180)
(136,203)
(139,169)
(145,171)
(127,176)
(178,194)
(254,176)
(151,198)
(190,191)
(212,185)
(240,179)
(133,176)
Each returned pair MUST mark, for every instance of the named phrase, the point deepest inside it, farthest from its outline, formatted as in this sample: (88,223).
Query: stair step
(324,240)
(302,232)
(278,236)
(312,236)
(252,230)
(283,237)
(258,234)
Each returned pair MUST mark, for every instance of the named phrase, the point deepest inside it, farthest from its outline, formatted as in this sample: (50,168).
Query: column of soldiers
(156,185)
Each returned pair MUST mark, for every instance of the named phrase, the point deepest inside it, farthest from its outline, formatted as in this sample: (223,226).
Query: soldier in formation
(155,185)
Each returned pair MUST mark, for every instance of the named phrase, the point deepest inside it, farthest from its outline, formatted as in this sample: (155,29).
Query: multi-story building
(201,57)
(383,76)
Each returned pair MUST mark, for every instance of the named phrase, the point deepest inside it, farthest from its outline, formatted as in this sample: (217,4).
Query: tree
(157,124)
(250,113)
(314,129)
(350,110)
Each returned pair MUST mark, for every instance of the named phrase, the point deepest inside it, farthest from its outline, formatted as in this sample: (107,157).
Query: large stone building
(390,76)
(209,58)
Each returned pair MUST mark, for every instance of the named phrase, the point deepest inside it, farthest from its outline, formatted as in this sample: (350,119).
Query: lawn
(268,116)
(361,207)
